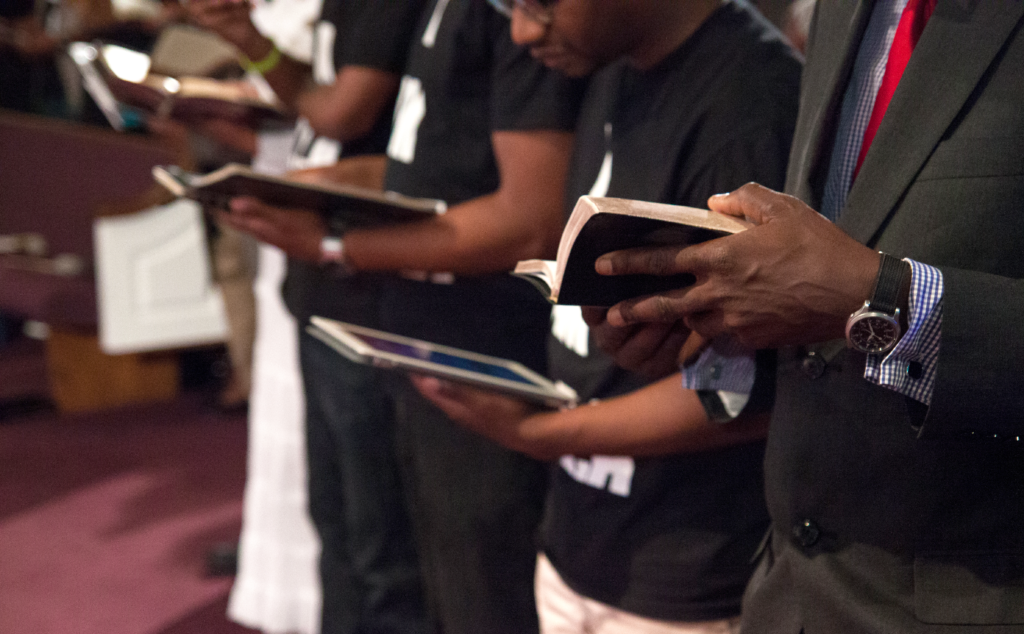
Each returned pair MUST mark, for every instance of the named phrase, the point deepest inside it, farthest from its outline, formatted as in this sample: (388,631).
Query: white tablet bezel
(341,337)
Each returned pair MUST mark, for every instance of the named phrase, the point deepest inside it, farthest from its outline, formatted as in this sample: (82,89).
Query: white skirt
(277,589)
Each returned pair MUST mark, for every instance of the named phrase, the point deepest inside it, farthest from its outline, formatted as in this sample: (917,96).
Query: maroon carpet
(105,520)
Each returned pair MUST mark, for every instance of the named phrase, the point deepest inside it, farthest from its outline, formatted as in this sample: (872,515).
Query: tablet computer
(386,350)
(120,116)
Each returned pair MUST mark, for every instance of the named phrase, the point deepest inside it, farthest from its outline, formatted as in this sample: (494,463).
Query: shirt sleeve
(910,367)
(525,95)
(723,366)
(379,35)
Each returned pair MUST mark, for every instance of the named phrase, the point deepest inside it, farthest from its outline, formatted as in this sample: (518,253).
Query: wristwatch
(875,327)
(332,255)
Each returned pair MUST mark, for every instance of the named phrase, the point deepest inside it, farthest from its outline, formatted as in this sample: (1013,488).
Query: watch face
(874,333)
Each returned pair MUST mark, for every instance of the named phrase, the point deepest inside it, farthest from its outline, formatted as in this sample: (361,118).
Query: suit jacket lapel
(958,45)
(838,31)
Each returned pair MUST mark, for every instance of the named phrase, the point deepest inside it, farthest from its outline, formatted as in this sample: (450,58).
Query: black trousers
(368,567)
(476,508)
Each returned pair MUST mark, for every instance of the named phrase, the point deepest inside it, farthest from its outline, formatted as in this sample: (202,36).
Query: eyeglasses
(539,10)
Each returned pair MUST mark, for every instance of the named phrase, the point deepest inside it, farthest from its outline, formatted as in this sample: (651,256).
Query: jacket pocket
(970,588)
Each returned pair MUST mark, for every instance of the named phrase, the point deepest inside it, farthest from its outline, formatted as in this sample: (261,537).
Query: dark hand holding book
(601,225)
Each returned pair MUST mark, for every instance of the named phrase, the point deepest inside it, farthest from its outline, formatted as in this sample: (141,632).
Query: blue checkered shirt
(910,367)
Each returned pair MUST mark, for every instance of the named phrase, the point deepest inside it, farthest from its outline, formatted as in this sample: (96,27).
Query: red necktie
(908,32)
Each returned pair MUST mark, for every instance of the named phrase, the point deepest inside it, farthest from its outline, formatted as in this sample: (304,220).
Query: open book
(344,204)
(192,98)
(601,225)
(129,78)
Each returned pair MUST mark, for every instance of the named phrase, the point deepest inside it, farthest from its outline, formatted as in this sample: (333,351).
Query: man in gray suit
(895,466)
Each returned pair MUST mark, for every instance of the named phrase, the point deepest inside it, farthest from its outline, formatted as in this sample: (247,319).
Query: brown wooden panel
(83,378)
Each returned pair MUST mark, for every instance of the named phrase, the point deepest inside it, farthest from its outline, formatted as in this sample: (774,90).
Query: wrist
(877,326)
(545,435)
(857,289)
(255,46)
(334,256)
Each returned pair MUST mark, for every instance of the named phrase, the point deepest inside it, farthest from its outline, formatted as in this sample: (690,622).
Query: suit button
(813,365)
(807,533)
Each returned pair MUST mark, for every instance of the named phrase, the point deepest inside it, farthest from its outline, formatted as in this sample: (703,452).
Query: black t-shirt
(672,537)
(374,34)
(465,80)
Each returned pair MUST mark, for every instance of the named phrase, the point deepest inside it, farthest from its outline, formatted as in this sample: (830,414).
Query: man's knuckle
(717,256)
(627,311)
(732,322)
(664,308)
(747,188)
(653,261)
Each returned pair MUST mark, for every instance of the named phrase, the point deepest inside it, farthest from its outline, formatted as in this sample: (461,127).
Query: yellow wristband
(265,65)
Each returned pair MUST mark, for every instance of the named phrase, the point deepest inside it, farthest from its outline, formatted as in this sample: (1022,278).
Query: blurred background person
(368,566)
(484,127)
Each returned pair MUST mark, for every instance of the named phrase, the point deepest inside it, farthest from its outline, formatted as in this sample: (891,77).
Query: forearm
(231,21)
(93,16)
(521,220)
(348,109)
(288,78)
(662,418)
(477,237)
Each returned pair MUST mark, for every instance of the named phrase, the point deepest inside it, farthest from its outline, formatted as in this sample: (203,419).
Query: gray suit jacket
(889,516)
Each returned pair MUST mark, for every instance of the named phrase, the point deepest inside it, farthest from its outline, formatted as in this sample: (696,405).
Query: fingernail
(614,317)
(604,266)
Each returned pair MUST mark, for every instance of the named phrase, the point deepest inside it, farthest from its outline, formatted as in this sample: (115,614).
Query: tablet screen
(442,358)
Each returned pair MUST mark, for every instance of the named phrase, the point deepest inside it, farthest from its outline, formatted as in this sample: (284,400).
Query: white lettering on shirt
(604,177)
(323,53)
(410,108)
(611,473)
(568,327)
(430,35)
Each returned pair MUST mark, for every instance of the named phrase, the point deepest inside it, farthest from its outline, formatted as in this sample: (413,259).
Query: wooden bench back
(54,175)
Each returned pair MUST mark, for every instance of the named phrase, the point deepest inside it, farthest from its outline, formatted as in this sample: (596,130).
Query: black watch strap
(891,275)
(713,406)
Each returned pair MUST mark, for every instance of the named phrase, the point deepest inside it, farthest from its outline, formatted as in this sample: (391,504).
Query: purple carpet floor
(106,519)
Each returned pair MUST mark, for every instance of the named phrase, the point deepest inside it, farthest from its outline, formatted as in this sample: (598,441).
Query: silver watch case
(871,331)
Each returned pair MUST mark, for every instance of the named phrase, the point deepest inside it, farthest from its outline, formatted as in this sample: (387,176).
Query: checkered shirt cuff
(723,366)
(910,367)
